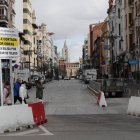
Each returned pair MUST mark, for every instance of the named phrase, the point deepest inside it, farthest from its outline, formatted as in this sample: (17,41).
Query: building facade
(28,31)
(72,69)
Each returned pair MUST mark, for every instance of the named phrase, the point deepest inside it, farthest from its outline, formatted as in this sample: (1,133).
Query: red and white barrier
(102,102)
(101,99)
(38,113)
(18,116)
(134,106)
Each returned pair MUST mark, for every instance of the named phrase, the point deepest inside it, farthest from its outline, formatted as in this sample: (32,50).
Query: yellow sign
(9,41)
(41,62)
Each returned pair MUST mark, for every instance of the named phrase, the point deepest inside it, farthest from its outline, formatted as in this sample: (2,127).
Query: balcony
(34,33)
(131,3)
(132,48)
(3,2)
(131,25)
(13,11)
(3,17)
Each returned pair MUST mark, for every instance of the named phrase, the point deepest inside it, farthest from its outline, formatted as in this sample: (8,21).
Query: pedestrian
(58,77)
(39,90)
(6,94)
(16,91)
(23,92)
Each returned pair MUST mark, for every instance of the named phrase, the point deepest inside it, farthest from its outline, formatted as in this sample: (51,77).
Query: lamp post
(111,39)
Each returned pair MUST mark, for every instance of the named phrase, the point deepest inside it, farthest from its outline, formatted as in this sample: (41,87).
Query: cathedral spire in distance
(65,52)
(65,44)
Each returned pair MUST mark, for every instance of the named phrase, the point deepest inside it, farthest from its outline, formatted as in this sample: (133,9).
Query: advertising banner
(9,43)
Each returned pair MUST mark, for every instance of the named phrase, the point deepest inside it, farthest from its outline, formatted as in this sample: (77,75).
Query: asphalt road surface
(74,115)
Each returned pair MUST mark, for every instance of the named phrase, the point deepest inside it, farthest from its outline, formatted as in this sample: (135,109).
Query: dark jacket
(16,89)
(39,90)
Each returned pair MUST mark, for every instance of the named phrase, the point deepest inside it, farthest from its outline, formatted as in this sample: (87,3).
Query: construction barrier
(38,113)
(134,106)
(102,102)
(18,116)
(99,97)
(15,117)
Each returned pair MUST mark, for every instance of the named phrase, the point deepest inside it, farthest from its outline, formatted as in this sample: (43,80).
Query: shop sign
(9,43)
(105,47)
(5,64)
(133,62)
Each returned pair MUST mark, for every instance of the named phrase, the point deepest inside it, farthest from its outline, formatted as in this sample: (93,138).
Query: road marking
(22,133)
(45,130)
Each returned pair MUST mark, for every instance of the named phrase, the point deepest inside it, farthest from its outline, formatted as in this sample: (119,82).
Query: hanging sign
(103,62)
(133,62)
(9,43)
(105,47)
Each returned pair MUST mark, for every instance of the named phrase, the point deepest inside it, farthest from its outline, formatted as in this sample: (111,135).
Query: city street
(73,114)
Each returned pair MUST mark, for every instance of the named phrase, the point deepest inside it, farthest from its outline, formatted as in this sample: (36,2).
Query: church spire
(65,44)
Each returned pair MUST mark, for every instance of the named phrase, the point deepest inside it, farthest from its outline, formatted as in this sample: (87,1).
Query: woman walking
(39,90)
(23,92)
(6,94)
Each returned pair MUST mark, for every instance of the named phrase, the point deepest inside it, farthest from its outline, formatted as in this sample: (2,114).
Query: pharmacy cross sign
(9,43)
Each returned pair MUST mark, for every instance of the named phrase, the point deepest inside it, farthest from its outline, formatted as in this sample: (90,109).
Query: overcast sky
(68,19)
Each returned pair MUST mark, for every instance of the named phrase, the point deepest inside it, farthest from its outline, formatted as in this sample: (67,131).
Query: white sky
(66,18)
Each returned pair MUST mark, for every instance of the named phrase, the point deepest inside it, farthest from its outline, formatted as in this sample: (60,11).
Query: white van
(90,74)
(24,75)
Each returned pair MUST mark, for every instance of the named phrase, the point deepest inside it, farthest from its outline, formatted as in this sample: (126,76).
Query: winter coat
(6,96)
(16,89)
(39,91)
(23,92)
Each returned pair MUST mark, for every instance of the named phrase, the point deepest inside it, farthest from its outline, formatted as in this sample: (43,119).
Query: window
(28,32)
(26,21)
(119,14)
(25,10)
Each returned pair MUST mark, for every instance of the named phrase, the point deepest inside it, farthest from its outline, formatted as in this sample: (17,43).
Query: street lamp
(111,39)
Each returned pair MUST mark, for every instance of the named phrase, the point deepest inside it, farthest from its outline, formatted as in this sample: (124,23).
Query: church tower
(65,53)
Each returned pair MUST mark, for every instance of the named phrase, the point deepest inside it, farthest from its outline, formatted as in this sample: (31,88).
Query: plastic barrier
(38,113)
(99,97)
(134,106)
(102,102)
(13,117)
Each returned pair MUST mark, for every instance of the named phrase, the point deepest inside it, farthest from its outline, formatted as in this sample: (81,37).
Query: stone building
(65,53)
(72,69)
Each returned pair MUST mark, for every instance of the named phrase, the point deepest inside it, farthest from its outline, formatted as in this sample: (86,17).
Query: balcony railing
(13,11)
(3,17)
(3,2)
(131,3)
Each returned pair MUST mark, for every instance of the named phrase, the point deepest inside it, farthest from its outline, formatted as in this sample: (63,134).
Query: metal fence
(95,85)
(120,82)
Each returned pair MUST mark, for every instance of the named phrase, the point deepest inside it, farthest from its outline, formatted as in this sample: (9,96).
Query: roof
(43,24)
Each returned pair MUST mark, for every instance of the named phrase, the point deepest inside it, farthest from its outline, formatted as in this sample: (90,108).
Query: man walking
(16,91)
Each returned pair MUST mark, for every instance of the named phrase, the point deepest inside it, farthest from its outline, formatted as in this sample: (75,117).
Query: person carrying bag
(39,90)
(6,94)
(23,93)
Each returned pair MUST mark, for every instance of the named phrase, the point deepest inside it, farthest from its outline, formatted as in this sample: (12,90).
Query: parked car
(66,78)
(80,77)
(34,79)
(73,77)
(43,79)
